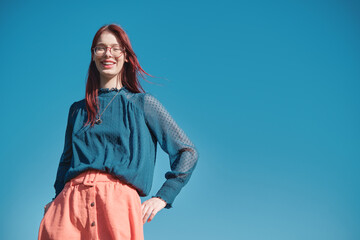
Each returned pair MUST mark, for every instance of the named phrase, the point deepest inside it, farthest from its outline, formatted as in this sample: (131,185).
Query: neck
(114,82)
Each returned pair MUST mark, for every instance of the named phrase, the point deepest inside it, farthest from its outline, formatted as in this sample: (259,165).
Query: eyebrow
(110,45)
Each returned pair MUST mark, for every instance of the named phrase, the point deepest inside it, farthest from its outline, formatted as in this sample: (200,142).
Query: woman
(110,151)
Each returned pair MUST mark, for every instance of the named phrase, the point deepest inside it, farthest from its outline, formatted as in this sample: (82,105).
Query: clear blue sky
(267,90)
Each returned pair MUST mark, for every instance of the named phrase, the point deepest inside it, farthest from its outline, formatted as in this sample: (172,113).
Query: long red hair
(129,74)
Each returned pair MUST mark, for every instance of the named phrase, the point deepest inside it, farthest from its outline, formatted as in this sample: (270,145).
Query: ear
(126,57)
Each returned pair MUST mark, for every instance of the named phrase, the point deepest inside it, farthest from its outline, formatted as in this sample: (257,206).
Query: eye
(117,49)
(100,49)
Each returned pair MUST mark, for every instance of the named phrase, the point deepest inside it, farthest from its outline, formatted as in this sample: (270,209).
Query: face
(107,71)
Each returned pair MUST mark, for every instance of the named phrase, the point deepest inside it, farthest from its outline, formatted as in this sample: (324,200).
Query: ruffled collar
(109,90)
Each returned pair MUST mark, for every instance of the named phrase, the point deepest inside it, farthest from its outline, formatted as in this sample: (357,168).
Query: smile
(108,64)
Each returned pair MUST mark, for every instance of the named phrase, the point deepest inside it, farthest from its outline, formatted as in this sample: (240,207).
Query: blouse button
(92,204)
(93,224)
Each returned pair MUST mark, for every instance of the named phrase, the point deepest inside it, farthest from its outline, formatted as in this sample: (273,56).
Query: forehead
(108,38)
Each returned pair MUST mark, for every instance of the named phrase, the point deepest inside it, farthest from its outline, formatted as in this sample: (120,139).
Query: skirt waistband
(90,177)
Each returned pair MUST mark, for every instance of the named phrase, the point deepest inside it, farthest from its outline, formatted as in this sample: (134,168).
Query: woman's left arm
(183,154)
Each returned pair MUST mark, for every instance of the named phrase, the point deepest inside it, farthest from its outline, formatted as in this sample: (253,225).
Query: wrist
(160,199)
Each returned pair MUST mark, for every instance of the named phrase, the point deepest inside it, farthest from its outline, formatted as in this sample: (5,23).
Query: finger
(142,206)
(147,214)
(152,215)
(145,209)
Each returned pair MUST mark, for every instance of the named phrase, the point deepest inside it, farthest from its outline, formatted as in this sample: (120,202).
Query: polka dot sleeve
(183,154)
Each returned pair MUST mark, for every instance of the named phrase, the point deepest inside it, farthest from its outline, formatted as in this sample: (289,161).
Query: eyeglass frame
(122,50)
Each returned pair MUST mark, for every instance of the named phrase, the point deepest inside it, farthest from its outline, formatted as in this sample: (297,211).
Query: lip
(108,66)
(108,61)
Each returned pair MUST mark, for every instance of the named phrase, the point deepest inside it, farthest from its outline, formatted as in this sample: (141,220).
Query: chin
(108,74)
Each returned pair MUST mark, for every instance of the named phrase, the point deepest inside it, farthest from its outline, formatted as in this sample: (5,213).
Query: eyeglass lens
(101,50)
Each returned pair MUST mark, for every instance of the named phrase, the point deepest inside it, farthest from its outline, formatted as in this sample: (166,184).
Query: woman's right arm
(65,159)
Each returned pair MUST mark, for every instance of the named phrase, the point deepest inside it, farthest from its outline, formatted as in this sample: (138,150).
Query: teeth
(108,63)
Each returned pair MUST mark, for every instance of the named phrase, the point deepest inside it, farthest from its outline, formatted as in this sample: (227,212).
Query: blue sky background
(267,90)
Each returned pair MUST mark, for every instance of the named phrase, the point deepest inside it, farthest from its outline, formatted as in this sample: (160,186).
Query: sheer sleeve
(183,154)
(65,159)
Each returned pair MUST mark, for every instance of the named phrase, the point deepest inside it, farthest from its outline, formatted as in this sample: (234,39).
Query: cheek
(120,64)
(98,65)
(97,62)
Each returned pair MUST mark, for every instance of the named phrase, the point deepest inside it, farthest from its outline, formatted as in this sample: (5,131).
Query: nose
(108,51)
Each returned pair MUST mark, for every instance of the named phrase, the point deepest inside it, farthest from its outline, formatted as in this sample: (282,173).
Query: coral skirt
(94,205)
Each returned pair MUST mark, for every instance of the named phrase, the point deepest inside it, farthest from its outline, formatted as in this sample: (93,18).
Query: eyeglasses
(116,51)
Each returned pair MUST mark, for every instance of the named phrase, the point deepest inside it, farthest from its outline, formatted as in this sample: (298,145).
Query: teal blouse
(125,143)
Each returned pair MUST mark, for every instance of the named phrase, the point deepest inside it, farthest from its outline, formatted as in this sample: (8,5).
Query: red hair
(129,73)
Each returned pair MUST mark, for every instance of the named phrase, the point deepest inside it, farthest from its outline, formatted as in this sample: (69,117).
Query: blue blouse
(125,143)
